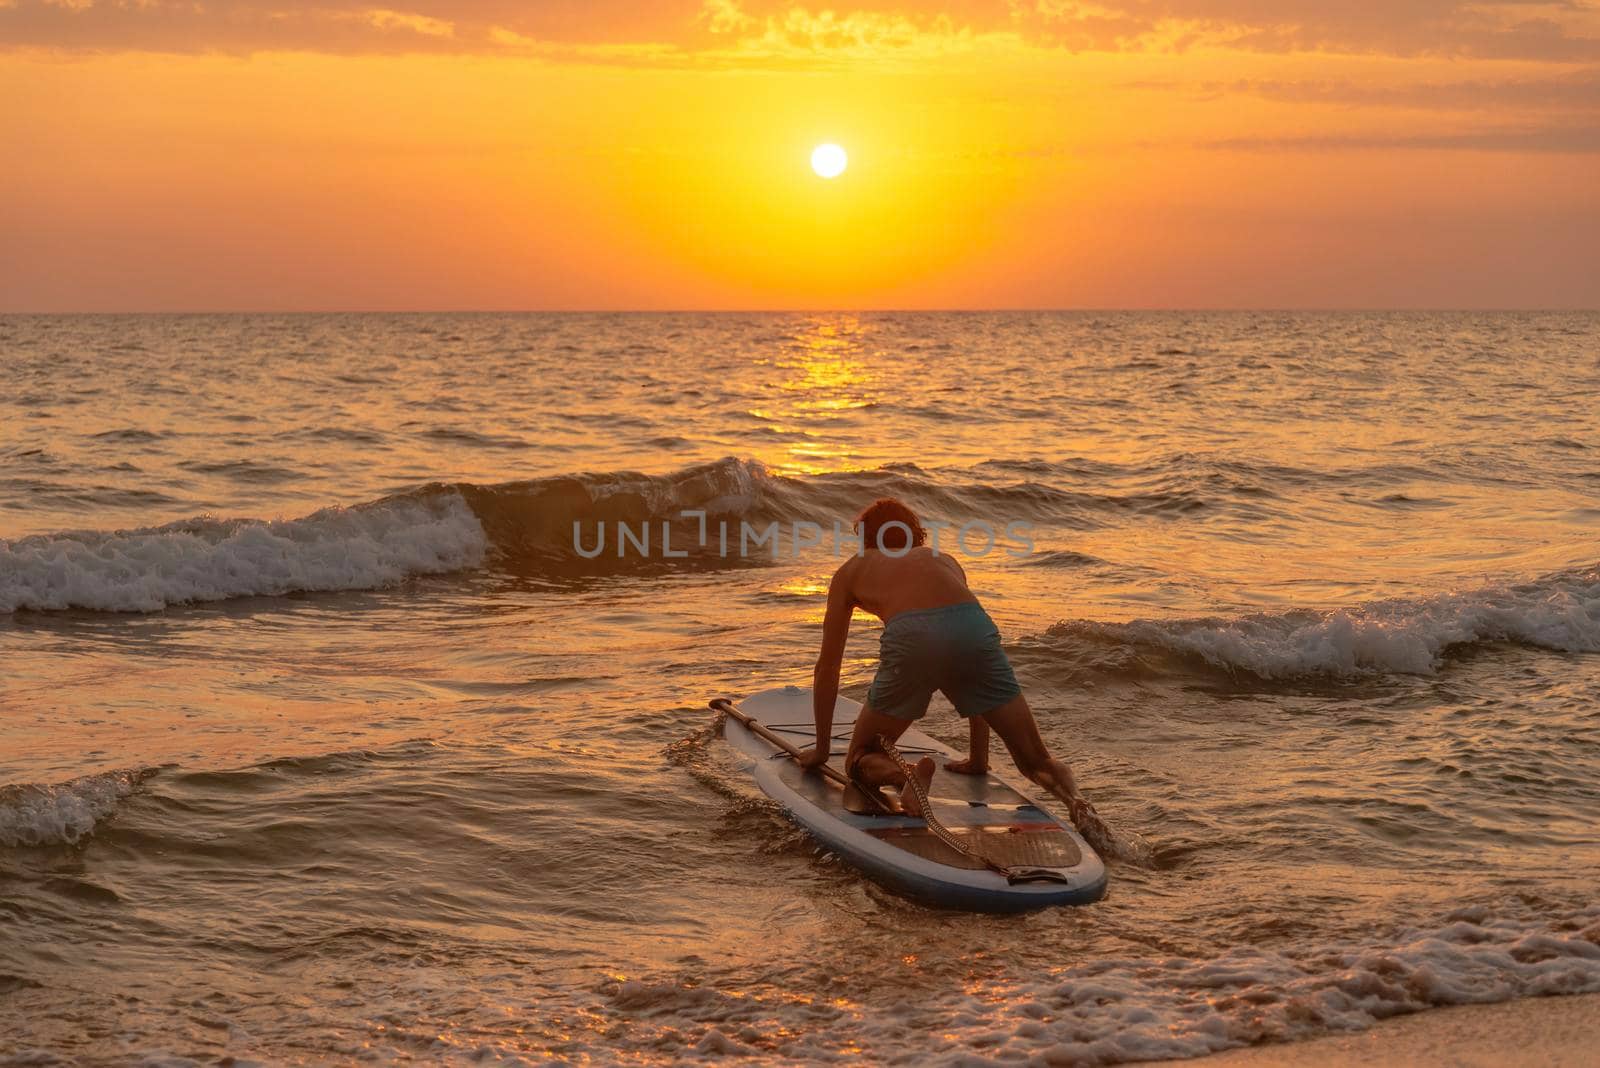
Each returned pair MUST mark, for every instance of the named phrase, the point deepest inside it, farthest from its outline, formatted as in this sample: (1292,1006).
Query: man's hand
(968,766)
(812,759)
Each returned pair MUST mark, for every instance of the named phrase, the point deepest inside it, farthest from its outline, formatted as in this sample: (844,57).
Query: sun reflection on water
(825,376)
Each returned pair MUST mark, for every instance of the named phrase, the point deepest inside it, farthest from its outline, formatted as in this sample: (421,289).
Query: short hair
(886,512)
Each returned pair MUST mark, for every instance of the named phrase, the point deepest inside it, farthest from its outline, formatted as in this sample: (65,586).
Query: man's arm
(825,679)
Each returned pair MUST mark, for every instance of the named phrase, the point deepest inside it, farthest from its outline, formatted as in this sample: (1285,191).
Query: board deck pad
(1041,846)
(986,813)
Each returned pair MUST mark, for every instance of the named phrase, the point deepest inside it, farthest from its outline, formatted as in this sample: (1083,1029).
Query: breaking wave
(1141,1008)
(208,559)
(1402,636)
(536,526)
(35,815)
(523,527)
(439,528)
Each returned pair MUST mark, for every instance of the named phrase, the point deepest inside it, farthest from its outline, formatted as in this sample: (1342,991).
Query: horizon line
(951,310)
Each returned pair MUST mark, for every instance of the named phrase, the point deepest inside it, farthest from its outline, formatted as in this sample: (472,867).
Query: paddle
(722,704)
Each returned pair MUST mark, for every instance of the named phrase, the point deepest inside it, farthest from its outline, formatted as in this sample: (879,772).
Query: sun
(829,161)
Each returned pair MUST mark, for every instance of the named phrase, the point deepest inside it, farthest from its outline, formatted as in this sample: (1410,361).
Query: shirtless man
(936,636)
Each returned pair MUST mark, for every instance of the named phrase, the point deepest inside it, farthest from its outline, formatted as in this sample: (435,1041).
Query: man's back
(887,585)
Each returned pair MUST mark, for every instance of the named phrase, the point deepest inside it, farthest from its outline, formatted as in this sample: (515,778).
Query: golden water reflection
(825,373)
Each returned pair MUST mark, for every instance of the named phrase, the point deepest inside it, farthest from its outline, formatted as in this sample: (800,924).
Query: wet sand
(1553,1032)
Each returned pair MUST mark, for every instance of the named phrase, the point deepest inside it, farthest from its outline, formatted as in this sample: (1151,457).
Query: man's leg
(976,761)
(872,767)
(1014,723)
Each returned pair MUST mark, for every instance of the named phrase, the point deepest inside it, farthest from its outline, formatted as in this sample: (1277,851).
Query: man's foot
(908,797)
(965,766)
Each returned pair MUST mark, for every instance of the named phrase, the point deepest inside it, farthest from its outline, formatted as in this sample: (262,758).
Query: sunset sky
(283,155)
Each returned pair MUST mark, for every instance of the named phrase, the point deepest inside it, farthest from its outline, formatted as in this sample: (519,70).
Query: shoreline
(1556,1031)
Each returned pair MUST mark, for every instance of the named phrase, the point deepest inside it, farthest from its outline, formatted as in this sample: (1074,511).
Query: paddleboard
(988,816)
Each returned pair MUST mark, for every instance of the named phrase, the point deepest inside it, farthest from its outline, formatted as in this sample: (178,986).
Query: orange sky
(272,154)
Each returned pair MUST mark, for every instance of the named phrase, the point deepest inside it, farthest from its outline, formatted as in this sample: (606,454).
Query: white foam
(1102,1011)
(33,815)
(1116,1010)
(211,560)
(1133,1010)
(1560,612)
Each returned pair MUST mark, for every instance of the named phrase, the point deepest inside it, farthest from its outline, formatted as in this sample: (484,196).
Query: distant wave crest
(438,528)
(526,527)
(214,559)
(1404,636)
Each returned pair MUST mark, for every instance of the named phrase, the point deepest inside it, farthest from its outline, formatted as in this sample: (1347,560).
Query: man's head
(889,525)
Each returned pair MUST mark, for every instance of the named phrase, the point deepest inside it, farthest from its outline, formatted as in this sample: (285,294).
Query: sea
(329,735)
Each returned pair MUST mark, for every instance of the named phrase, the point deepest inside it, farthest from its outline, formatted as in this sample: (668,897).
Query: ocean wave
(1400,636)
(36,815)
(1103,1013)
(537,527)
(537,523)
(208,559)
(526,526)
(1135,1008)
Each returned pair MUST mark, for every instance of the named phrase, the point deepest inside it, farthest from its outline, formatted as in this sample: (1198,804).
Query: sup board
(985,814)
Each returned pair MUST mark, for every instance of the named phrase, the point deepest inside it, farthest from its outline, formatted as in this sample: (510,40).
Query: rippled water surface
(319,741)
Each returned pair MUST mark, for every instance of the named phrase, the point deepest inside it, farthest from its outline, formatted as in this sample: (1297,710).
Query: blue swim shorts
(954,649)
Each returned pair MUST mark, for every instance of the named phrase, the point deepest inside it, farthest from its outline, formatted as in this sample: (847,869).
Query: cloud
(800,33)
(1540,30)
(338,26)
(1566,92)
(1559,31)
(725,16)
(1559,113)
(385,19)
(1576,139)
